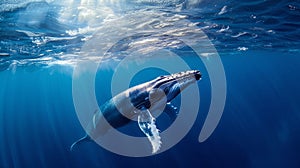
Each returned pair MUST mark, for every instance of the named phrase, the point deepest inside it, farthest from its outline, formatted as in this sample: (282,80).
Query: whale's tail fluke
(86,138)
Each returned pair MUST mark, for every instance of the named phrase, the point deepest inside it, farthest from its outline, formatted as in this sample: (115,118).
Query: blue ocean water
(258,43)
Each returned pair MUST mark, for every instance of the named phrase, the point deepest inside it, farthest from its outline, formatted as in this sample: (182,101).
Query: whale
(139,103)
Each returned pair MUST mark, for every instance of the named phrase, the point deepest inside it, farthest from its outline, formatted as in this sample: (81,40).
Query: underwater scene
(149,83)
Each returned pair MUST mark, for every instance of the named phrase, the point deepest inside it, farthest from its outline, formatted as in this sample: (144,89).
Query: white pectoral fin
(171,111)
(147,125)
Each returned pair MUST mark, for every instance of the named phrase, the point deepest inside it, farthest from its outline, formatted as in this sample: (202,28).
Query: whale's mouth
(180,78)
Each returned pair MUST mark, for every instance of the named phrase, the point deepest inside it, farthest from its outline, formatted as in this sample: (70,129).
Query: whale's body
(141,102)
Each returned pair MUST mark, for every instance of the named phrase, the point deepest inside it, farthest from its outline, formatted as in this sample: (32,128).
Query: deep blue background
(259,126)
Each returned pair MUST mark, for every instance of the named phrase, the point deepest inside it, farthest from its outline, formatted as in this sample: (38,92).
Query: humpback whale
(140,102)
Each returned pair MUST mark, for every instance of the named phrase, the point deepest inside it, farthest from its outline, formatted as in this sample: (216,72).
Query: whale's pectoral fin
(171,111)
(147,125)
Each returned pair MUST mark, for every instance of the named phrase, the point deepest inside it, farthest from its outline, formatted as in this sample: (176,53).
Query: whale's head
(171,85)
(163,88)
